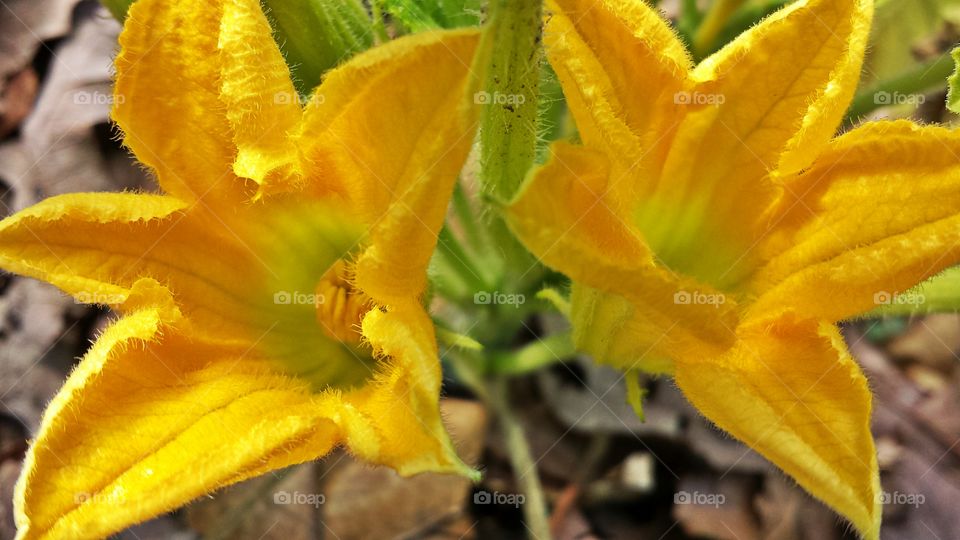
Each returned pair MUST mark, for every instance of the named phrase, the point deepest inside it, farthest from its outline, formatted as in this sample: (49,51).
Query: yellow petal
(875,215)
(145,424)
(402,402)
(396,148)
(86,243)
(620,66)
(770,100)
(152,419)
(790,391)
(224,270)
(261,102)
(168,98)
(203,93)
(623,306)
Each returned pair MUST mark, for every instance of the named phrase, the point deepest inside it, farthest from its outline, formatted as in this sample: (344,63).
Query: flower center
(340,307)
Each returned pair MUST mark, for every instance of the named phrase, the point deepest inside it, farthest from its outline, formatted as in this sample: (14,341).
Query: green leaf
(316,35)
(460,341)
(898,26)
(538,354)
(635,392)
(118,8)
(420,15)
(557,299)
(953,83)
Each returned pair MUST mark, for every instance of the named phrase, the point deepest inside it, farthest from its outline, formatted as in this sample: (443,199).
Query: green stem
(714,23)
(508,121)
(521,460)
(460,261)
(536,355)
(924,77)
(469,220)
(379,28)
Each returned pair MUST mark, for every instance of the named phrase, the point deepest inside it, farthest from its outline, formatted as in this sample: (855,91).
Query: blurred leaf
(953,83)
(898,26)
(455,339)
(920,78)
(118,8)
(537,354)
(420,15)
(748,15)
(635,392)
(557,299)
(316,35)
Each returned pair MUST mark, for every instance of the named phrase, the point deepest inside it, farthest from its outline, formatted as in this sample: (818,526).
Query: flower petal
(620,66)
(422,132)
(167,97)
(790,391)
(875,215)
(770,100)
(61,240)
(95,246)
(203,93)
(624,305)
(262,105)
(146,424)
(402,403)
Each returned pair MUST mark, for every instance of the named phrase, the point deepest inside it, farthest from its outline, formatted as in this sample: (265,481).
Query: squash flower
(270,296)
(716,230)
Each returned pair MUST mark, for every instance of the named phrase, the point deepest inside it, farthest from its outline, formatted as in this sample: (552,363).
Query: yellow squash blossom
(270,297)
(716,230)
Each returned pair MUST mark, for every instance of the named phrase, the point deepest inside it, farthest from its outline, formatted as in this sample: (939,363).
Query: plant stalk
(521,460)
